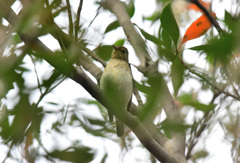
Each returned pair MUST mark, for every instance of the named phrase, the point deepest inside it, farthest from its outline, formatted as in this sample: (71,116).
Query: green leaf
(219,49)
(200,154)
(167,41)
(103,160)
(151,108)
(155,16)
(131,8)
(119,42)
(166,53)
(177,73)
(229,20)
(170,127)
(104,52)
(187,99)
(169,23)
(143,88)
(4,123)
(112,26)
(150,37)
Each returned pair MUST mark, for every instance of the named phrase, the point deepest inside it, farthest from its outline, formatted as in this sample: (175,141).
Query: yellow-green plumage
(118,74)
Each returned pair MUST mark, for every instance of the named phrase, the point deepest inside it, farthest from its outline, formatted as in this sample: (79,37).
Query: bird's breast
(119,73)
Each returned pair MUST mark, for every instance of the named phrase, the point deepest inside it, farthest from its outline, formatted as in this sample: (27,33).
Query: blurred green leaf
(169,24)
(92,126)
(104,158)
(154,93)
(200,154)
(104,52)
(112,26)
(143,88)
(131,8)
(149,36)
(167,41)
(155,16)
(170,127)
(119,42)
(177,75)
(229,20)
(218,48)
(23,115)
(187,99)
(166,53)
(53,78)
(81,154)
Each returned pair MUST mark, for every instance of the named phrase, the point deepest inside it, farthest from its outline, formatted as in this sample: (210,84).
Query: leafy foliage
(32,72)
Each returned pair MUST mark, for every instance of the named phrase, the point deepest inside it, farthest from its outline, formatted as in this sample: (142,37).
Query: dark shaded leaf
(81,154)
(169,24)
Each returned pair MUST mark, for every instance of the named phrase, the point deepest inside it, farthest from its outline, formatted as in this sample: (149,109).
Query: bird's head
(120,52)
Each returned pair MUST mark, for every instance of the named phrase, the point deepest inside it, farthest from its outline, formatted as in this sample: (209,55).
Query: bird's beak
(114,47)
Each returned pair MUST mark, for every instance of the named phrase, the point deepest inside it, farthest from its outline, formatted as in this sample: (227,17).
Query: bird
(117,83)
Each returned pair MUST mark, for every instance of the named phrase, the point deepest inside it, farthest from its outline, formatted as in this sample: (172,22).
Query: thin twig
(197,134)
(35,70)
(48,90)
(70,18)
(77,24)
(95,15)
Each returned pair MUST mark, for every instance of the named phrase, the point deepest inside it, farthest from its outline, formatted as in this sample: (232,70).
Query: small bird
(117,83)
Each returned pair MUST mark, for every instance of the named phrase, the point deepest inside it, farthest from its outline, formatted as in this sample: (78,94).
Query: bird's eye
(123,51)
